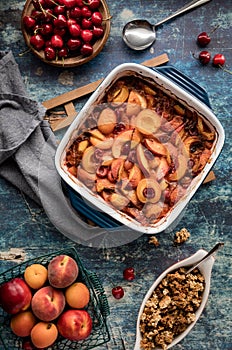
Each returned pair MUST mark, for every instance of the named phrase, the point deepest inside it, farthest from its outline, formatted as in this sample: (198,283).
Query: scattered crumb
(181,236)
(154,240)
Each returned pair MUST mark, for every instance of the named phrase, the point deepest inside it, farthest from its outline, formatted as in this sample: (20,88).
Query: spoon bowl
(140,34)
(205,268)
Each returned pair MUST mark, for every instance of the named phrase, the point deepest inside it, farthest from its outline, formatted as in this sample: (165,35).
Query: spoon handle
(184,9)
(211,252)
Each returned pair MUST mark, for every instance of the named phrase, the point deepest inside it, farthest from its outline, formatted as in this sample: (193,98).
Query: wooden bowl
(72,60)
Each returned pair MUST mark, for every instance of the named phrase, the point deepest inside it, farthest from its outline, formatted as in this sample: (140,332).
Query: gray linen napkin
(23,132)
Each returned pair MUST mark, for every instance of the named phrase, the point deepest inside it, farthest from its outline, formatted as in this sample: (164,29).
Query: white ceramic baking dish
(174,83)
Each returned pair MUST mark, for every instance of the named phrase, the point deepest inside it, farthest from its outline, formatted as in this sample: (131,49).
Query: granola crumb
(171,308)
(181,236)
(154,240)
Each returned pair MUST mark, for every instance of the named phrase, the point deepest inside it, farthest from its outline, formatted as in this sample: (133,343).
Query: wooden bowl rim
(70,61)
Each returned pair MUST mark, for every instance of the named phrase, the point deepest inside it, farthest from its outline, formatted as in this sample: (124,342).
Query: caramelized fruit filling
(139,149)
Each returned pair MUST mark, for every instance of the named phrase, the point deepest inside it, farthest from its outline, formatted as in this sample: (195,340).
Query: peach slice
(102,184)
(131,135)
(121,95)
(148,190)
(83,145)
(107,121)
(180,168)
(117,167)
(135,175)
(156,147)
(87,178)
(118,201)
(142,160)
(135,102)
(152,210)
(106,144)
(148,121)
(162,168)
(87,160)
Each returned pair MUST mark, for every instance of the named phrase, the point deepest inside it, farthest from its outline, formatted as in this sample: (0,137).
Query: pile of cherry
(64,28)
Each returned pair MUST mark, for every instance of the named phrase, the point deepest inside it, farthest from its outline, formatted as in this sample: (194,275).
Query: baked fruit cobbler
(139,149)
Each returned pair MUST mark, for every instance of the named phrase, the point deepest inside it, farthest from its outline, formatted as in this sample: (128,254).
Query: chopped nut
(181,236)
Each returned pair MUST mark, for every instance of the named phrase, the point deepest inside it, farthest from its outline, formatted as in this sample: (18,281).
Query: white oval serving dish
(171,88)
(205,268)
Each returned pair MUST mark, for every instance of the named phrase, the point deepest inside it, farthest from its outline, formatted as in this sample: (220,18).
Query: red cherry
(79,3)
(47,16)
(60,21)
(86,35)
(93,4)
(58,10)
(86,49)
(129,274)
(86,12)
(219,60)
(203,39)
(69,3)
(37,41)
(49,3)
(96,18)
(49,53)
(46,29)
(204,57)
(63,53)
(75,30)
(118,292)
(86,23)
(57,41)
(98,32)
(29,22)
(73,44)
(75,12)
(60,31)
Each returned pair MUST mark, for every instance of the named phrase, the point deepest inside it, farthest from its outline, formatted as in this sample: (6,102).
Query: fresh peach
(75,324)
(77,295)
(48,303)
(36,275)
(44,334)
(62,271)
(22,323)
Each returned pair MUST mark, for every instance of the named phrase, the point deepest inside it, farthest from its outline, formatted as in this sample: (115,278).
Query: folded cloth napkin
(23,132)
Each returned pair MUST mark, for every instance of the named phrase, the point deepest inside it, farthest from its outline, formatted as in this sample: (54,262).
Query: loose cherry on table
(203,39)
(129,274)
(204,57)
(118,292)
(219,60)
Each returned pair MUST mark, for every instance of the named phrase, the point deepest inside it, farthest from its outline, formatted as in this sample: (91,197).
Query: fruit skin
(15,296)
(203,39)
(118,292)
(48,303)
(36,275)
(204,57)
(44,334)
(77,295)
(129,274)
(62,271)
(219,59)
(75,324)
(22,323)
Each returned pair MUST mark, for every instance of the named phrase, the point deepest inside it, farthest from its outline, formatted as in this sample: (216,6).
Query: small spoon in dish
(140,34)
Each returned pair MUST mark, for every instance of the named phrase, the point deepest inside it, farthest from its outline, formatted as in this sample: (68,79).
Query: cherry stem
(225,70)
(215,28)
(24,52)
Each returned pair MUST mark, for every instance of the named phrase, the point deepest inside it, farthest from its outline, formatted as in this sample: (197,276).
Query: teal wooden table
(25,228)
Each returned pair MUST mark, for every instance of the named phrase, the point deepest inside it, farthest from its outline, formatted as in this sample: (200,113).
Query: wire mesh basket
(98,307)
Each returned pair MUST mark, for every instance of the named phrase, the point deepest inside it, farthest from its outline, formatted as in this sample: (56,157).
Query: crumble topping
(181,236)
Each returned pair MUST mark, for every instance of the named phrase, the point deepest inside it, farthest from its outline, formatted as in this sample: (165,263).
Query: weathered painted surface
(25,227)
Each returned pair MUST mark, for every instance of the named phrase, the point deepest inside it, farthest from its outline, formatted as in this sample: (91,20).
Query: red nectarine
(75,324)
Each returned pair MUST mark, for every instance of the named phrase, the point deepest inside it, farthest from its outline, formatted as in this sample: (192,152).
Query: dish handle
(184,82)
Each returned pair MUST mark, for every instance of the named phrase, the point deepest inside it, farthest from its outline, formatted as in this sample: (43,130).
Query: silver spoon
(140,34)
(211,252)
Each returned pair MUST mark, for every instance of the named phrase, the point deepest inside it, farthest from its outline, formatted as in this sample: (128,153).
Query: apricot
(148,190)
(44,334)
(22,323)
(148,121)
(36,275)
(107,121)
(77,295)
